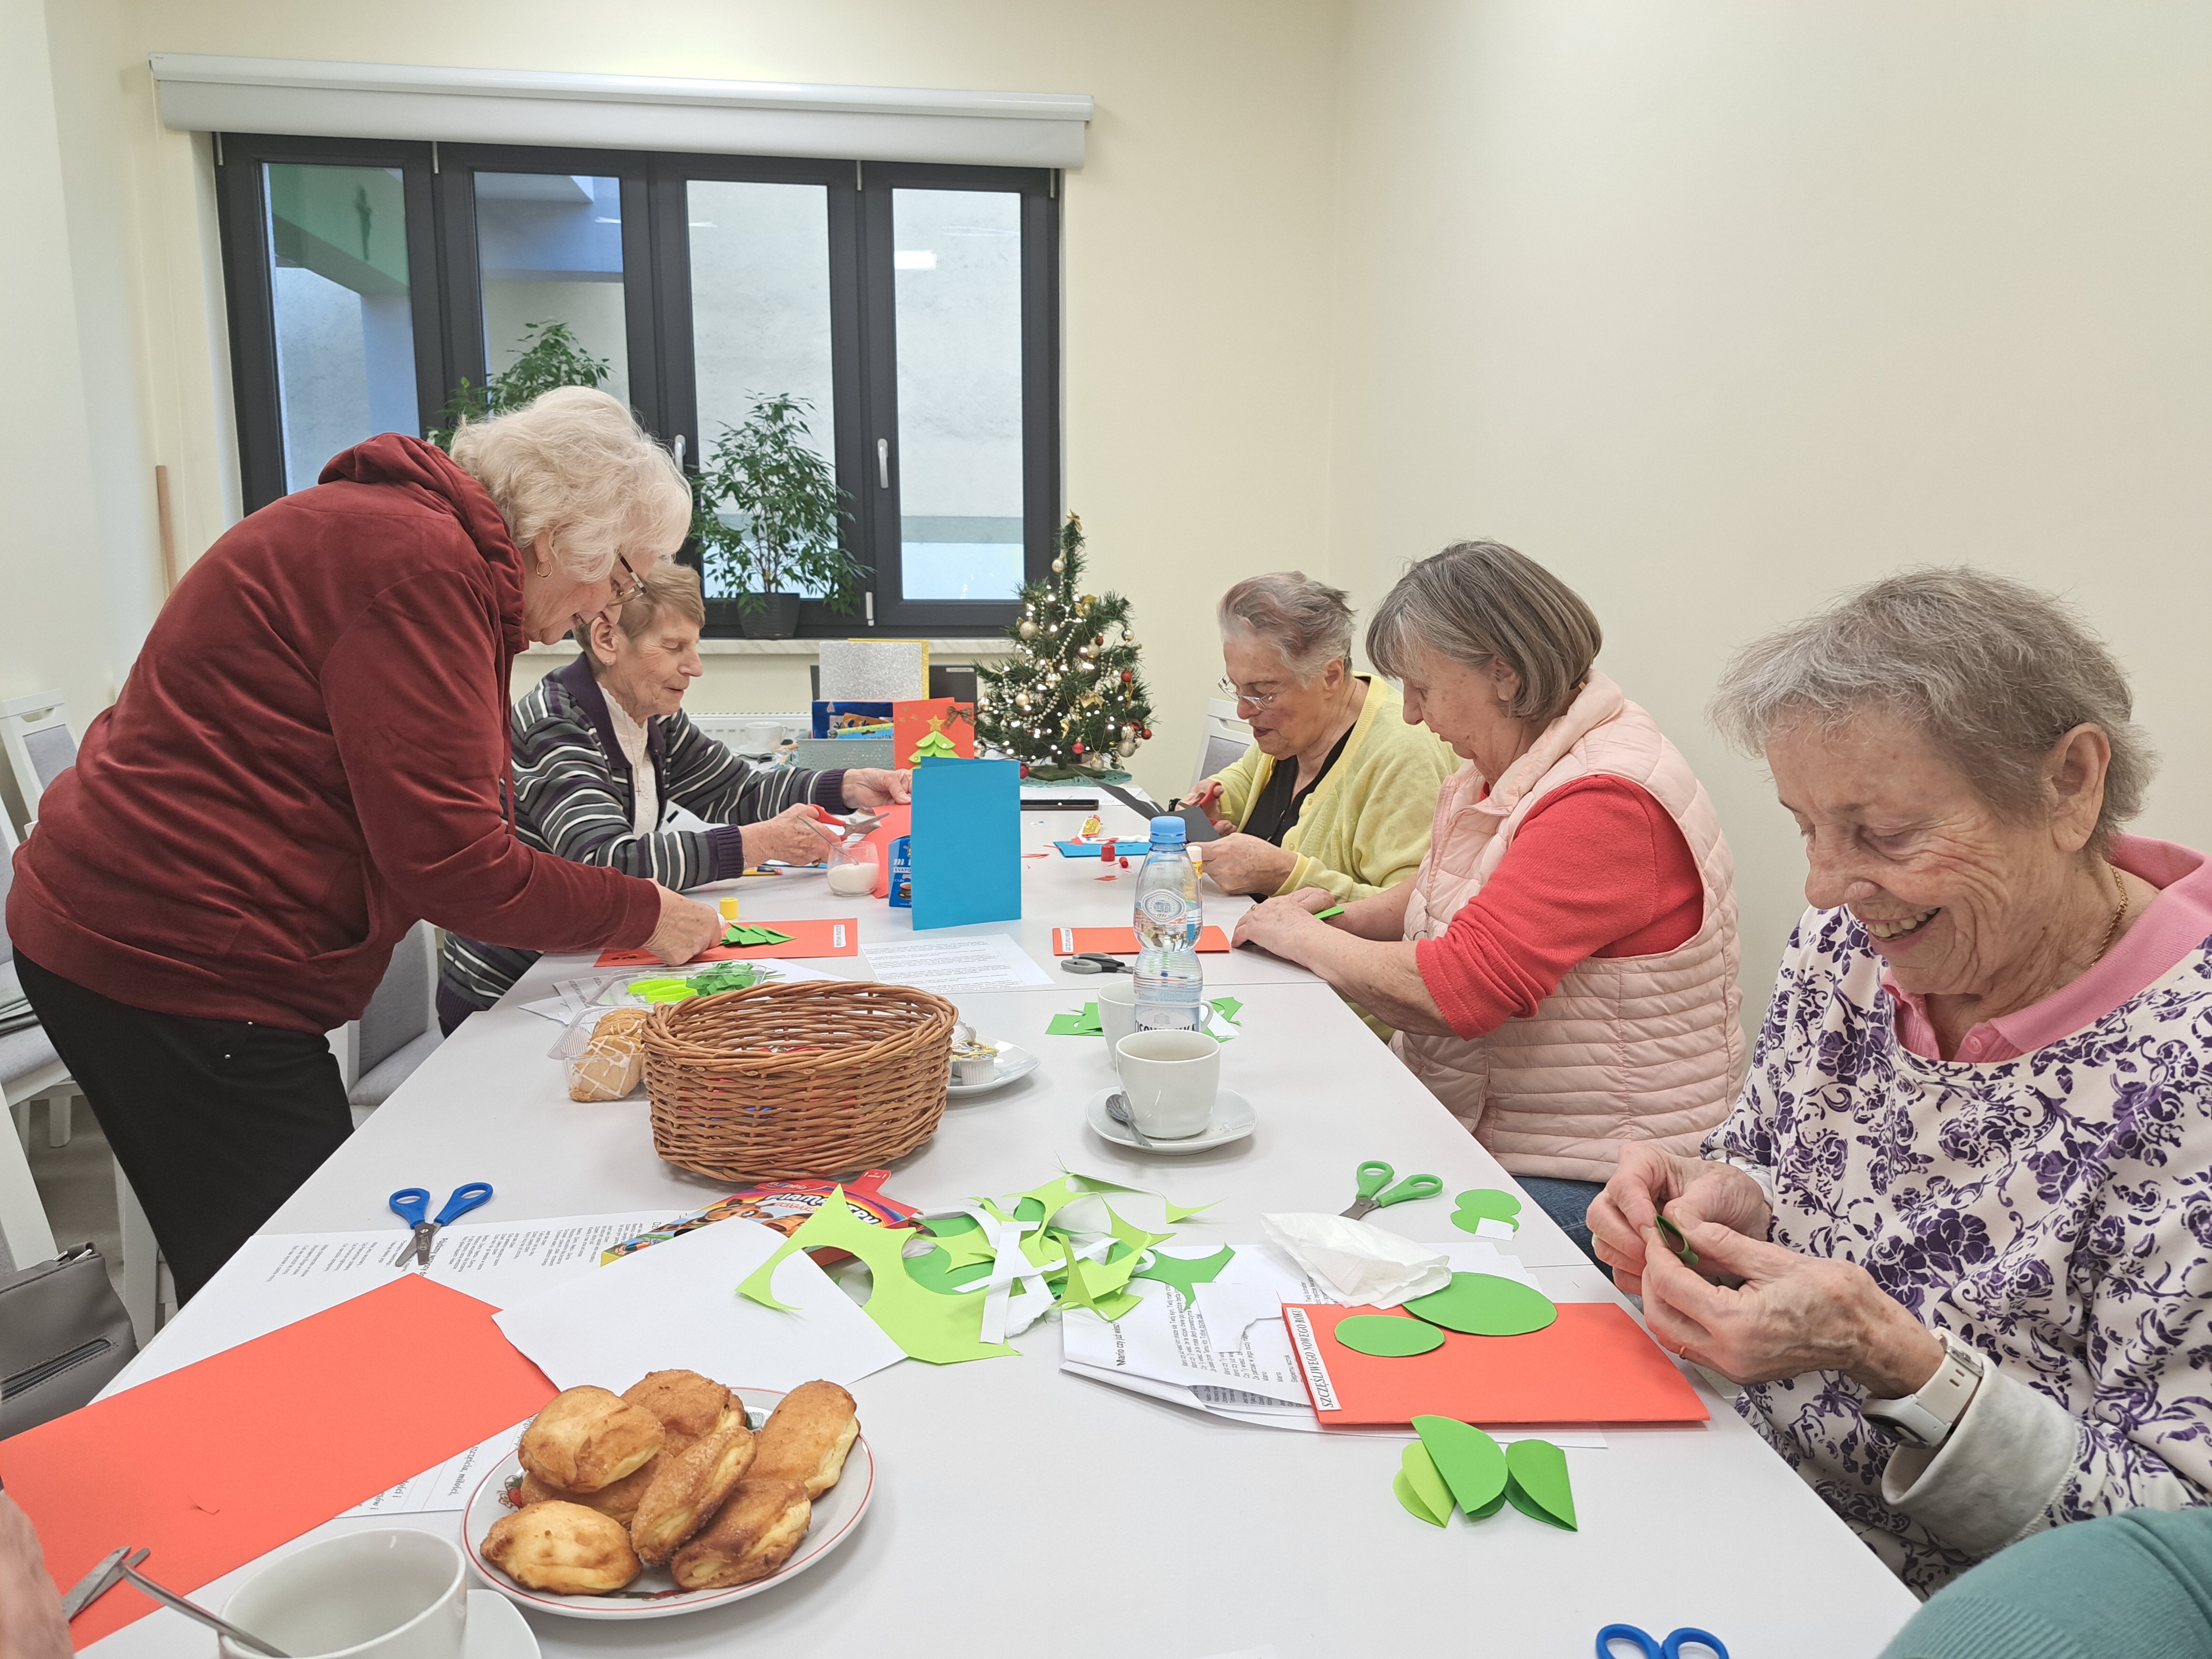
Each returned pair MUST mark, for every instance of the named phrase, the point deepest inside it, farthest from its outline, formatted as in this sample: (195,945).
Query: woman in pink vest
(1562,970)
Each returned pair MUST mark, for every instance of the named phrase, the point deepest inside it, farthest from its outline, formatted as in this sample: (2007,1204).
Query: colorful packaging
(902,876)
(783,1204)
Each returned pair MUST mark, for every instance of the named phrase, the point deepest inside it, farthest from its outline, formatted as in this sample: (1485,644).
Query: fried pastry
(753,1534)
(689,1407)
(688,1491)
(586,1439)
(626,1023)
(563,1547)
(618,1499)
(806,1437)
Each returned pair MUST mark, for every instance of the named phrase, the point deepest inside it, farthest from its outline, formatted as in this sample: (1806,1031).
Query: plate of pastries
(676,1494)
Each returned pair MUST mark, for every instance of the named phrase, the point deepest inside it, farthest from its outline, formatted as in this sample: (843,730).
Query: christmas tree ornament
(1028,631)
(1058,565)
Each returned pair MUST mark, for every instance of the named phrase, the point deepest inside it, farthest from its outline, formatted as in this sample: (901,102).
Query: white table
(1020,1505)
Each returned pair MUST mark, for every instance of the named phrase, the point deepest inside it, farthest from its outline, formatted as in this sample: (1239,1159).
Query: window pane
(549,247)
(760,307)
(345,337)
(958,266)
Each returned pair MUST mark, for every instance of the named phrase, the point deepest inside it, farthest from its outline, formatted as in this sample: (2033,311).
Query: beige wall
(1717,306)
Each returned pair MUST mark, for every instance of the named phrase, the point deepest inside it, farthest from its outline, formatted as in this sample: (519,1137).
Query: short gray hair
(1991,673)
(1309,622)
(574,465)
(1479,602)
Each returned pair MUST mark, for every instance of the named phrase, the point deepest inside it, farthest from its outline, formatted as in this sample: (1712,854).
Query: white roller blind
(619,112)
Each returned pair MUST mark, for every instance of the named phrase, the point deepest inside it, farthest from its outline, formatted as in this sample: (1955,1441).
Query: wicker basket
(817,1078)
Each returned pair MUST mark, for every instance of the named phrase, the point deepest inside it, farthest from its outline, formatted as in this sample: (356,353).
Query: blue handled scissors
(412,1204)
(1670,1648)
(1375,1189)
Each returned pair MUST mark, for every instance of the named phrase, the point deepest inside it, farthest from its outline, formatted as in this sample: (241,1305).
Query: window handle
(883,462)
(680,452)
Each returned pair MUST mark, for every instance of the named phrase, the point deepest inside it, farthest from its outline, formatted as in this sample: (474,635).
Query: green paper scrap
(1083,1022)
(1185,1274)
(1417,1471)
(1410,1497)
(1674,1237)
(1175,1211)
(1486,1204)
(1332,910)
(1386,1336)
(1097,1286)
(1132,1235)
(1228,1008)
(942,1330)
(745,933)
(1491,1507)
(1472,1464)
(1484,1305)
(1539,1485)
(937,1272)
(945,1226)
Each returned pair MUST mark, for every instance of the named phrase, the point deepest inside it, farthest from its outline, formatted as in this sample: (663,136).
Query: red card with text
(1121,941)
(837,938)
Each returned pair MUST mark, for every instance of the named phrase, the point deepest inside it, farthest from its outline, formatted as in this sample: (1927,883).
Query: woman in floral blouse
(1956,1236)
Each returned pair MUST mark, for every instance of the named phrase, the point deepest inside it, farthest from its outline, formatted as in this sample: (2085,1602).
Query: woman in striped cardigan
(602,750)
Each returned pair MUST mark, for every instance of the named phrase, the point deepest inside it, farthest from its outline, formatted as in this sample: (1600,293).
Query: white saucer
(1233,1120)
(1014,1061)
(497,1629)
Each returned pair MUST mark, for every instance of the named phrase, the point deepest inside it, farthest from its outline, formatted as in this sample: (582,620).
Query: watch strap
(1926,1416)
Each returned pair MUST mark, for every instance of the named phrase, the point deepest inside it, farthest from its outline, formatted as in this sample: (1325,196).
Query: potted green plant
(767,512)
(551,356)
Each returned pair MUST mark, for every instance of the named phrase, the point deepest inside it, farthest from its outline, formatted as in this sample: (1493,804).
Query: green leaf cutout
(1185,1274)
(1411,1498)
(1486,1204)
(1483,1304)
(1418,1470)
(1472,1464)
(1386,1336)
(1539,1486)
(1673,1237)
(937,1272)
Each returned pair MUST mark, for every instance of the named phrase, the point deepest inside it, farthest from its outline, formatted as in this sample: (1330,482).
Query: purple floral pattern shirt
(2052,1210)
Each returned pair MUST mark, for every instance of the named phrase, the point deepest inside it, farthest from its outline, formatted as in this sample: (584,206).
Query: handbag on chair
(64,1335)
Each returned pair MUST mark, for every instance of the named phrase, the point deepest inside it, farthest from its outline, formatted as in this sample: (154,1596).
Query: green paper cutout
(942,1330)
(1186,1274)
(945,1226)
(1472,1464)
(1083,1024)
(937,1272)
(1099,1286)
(1410,1499)
(1332,910)
(1483,1304)
(1539,1485)
(1132,1235)
(1418,1471)
(1228,1008)
(1386,1336)
(744,933)
(1486,1204)
(1491,1507)
(1674,1237)
(1051,1198)
(1175,1211)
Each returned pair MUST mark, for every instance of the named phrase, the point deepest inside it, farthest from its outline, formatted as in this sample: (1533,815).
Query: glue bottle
(1170,985)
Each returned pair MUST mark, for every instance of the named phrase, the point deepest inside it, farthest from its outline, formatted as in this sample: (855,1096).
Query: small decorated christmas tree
(935,744)
(1070,702)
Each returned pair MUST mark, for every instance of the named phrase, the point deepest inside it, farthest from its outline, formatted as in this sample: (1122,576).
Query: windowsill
(949,650)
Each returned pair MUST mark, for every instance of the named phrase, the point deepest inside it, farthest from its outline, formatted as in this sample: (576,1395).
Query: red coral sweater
(308,757)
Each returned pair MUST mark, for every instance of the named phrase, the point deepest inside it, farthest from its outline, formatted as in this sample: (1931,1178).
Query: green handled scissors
(1376,1191)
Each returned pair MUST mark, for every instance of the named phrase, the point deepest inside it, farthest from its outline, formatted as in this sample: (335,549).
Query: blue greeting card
(967,842)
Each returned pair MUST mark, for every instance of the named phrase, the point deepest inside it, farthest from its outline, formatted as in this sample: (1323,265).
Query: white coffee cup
(392,1595)
(1169,1080)
(1117,1010)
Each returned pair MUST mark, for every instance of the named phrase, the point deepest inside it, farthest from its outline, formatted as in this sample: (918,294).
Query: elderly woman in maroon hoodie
(310,755)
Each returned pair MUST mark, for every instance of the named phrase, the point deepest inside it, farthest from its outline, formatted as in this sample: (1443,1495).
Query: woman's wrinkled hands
(686,928)
(1316,899)
(1205,795)
(1649,1182)
(31,1622)
(871,786)
(797,834)
(1276,926)
(1245,864)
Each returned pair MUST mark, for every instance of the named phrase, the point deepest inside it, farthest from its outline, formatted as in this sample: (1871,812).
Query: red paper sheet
(1595,1364)
(838,937)
(1121,941)
(214,1465)
(910,724)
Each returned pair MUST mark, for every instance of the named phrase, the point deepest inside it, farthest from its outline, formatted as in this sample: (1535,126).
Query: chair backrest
(1226,739)
(401,1010)
(35,732)
(7,880)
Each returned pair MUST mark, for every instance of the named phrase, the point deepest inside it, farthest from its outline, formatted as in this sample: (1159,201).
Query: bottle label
(1162,907)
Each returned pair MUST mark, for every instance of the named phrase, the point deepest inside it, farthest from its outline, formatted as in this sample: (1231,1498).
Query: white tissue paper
(1359,1262)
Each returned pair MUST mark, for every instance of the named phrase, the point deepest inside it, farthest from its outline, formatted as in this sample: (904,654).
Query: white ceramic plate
(496,1630)
(654,1595)
(1233,1120)
(1014,1061)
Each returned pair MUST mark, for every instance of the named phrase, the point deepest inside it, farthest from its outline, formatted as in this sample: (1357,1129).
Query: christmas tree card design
(932,728)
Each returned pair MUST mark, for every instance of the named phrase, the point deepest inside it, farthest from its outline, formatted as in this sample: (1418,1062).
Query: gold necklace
(2112,931)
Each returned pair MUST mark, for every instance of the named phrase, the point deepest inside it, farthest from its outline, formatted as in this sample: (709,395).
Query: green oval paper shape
(1471,1463)
(1386,1336)
(1486,1204)
(1411,1499)
(1483,1304)
(1418,1471)
(1540,1485)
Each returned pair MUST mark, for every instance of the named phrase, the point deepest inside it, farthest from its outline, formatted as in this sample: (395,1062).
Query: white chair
(34,730)
(396,1033)
(1225,740)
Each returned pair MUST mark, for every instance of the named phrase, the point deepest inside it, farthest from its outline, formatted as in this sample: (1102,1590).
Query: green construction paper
(1051,1198)
(1411,1499)
(1228,1008)
(1539,1485)
(1673,1237)
(1483,1304)
(1386,1336)
(1418,1470)
(1472,1464)
(937,1272)
(1097,1285)
(1486,1204)
(1118,1305)
(1175,1211)
(1332,910)
(942,1330)
(1083,1025)
(1185,1274)
(745,933)
(1132,1235)
(945,1226)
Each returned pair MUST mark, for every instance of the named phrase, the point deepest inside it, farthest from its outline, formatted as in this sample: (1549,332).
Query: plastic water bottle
(1170,985)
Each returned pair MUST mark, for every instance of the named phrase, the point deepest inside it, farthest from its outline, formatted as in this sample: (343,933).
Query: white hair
(1310,622)
(574,466)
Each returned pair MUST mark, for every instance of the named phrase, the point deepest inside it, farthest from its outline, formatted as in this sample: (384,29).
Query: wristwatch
(1926,1419)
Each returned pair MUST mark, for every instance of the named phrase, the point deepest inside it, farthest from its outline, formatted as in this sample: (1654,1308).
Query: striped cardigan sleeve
(567,797)
(722,786)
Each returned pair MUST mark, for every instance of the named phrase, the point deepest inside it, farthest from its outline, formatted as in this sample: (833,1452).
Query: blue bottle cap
(1168,832)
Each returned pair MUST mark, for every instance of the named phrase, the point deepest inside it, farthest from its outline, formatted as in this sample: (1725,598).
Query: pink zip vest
(1628,1048)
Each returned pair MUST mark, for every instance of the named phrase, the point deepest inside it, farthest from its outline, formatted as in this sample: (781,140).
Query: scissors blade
(96,1583)
(425,1233)
(1358,1207)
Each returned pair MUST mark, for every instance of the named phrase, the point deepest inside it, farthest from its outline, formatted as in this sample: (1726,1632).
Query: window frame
(446,309)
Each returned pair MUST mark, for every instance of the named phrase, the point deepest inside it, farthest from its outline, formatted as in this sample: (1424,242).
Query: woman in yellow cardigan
(1336,790)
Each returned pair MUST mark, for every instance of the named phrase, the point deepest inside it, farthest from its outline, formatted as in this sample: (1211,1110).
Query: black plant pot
(776,619)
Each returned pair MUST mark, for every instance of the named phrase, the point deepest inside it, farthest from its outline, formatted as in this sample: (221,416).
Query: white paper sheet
(978,962)
(448,1486)
(676,1306)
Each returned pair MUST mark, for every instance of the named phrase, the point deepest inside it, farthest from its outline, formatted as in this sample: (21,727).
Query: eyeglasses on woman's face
(627,586)
(1256,697)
